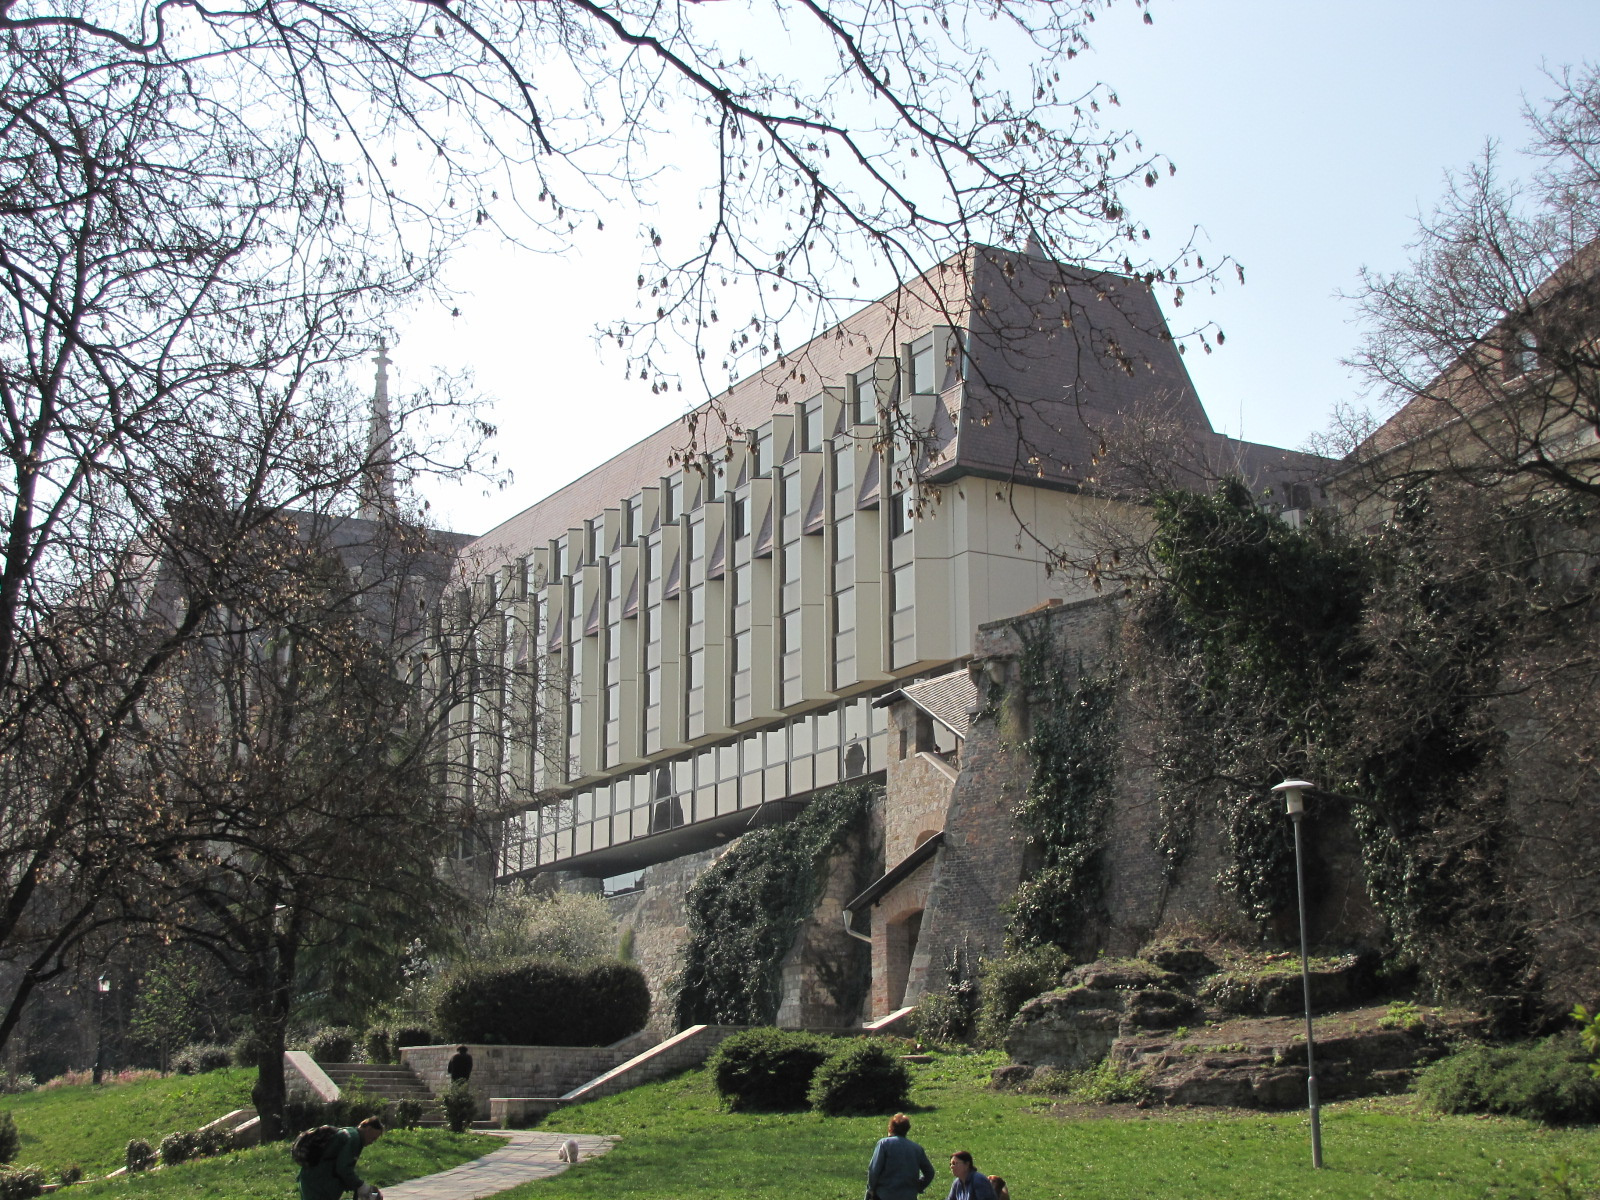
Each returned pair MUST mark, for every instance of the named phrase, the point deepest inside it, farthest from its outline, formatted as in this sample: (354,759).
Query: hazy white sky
(1307,139)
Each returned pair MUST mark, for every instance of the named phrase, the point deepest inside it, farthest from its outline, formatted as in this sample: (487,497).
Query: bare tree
(1486,344)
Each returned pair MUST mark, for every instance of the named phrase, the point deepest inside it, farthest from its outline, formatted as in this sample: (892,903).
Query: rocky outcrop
(1077,1025)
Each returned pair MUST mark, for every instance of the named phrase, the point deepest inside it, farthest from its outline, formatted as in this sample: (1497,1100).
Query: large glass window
(924,366)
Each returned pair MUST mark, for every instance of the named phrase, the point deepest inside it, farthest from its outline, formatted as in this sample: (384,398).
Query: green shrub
(1104,1083)
(24,1183)
(864,1076)
(407,1113)
(200,1058)
(767,1068)
(211,1141)
(139,1156)
(14,1084)
(460,1106)
(68,1175)
(536,1002)
(1547,1081)
(1403,1015)
(177,1148)
(941,1019)
(1006,984)
(245,1050)
(379,1045)
(412,1035)
(10,1139)
(334,1044)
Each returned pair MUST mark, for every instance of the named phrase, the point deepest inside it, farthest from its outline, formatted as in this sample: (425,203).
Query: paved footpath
(528,1154)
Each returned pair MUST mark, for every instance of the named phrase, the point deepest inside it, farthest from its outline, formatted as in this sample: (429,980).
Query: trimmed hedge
(200,1058)
(767,1068)
(535,1002)
(333,1044)
(865,1077)
(10,1139)
(1547,1081)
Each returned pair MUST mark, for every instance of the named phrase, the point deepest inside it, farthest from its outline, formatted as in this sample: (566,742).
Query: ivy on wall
(1365,663)
(1071,745)
(745,909)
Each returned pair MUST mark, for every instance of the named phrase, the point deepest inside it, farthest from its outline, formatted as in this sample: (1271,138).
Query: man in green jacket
(334,1174)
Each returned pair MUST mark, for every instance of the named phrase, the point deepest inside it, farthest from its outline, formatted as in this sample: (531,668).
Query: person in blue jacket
(334,1174)
(969,1183)
(900,1168)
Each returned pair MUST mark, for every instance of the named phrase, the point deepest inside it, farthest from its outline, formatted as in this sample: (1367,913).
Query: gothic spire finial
(377,483)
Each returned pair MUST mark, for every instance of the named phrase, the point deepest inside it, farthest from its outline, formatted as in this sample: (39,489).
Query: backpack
(312,1145)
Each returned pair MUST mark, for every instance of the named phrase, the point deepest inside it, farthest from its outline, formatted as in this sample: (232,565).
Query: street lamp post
(1294,791)
(101,987)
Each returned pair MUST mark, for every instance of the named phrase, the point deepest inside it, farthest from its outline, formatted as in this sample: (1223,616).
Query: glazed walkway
(528,1154)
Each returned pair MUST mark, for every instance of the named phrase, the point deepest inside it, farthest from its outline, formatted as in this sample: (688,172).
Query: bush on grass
(1547,1080)
(540,1003)
(201,1058)
(1005,984)
(140,1155)
(10,1139)
(22,1183)
(460,1106)
(864,1076)
(177,1147)
(68,1175)
(15,1084)
(942,1019)
(767,1068)
(1104,1083)
(406,1114)
(333,1044)
(245,1050)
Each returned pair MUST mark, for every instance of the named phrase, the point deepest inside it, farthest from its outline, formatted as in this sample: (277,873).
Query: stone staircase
(379,1079)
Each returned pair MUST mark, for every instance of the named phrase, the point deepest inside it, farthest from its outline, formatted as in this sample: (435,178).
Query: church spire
(377,484)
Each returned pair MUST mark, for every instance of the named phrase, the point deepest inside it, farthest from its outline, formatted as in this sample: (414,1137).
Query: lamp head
(103,983)
(1294,795)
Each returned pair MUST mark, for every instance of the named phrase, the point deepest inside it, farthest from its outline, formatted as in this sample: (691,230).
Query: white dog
(569,1151)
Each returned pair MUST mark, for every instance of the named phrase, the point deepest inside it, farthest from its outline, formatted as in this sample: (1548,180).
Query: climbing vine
(745,909)
(1366,664)
(1072,748)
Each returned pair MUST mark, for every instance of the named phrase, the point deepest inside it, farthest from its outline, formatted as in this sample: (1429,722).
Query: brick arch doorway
(902,932)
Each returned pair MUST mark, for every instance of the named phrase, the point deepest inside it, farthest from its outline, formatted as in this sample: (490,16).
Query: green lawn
(676,1142)
(91,1126)
(267,1173)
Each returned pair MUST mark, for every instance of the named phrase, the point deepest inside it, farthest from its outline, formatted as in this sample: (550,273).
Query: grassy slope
(91,1126)
(676,1142)
(267,1174)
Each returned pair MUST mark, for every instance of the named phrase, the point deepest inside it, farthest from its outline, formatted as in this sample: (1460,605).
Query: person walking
(459,1068)
(970,1183)
(334,1172)
(899,1169)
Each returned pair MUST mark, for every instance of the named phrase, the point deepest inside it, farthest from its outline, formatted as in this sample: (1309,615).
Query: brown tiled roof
(1061,363)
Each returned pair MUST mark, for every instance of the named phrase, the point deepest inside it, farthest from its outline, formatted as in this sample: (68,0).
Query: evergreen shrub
(23,1183)
(1547,1080)
(333,1044)
(68,1175)
(10,1139)
(178,1147)
(411,1035)
(767,1068)
(460,1106)
(140,1155)
(941,1019)
(200,1058)
(534,1002)
(1007,983)
(378,1044)
(864,1076)
(245,1050)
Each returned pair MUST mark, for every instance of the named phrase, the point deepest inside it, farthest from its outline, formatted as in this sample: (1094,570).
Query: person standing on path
(970,1183)
(899,1169)
(334,1173)
(459,1068)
